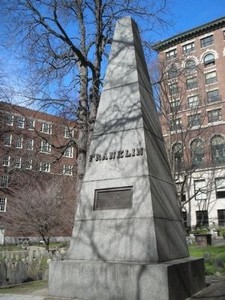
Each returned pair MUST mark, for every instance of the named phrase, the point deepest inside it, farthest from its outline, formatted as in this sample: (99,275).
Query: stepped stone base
(94,280)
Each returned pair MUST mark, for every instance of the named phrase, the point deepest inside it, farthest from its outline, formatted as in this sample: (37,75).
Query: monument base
(177,279)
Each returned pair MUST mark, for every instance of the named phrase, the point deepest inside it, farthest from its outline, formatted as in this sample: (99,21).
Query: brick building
(36,149)
(192,98)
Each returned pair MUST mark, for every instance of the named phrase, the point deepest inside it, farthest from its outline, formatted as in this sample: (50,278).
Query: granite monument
(128,240)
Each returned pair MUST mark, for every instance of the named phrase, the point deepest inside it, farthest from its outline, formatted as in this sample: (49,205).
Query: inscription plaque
(113,198)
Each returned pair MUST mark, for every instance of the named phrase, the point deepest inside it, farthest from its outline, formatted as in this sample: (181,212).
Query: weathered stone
(136,250)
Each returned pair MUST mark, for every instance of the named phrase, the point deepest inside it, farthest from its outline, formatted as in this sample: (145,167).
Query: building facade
(192,114)
(36,154)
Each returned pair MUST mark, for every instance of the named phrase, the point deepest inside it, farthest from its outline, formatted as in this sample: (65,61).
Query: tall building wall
(36,151)
(193,118)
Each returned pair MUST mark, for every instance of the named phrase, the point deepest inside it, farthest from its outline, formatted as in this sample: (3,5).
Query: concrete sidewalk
(214,291)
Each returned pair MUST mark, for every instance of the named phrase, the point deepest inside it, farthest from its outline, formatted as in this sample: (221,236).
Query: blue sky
(187,14)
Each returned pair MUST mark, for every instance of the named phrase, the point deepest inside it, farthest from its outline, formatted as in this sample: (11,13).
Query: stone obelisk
(128,240)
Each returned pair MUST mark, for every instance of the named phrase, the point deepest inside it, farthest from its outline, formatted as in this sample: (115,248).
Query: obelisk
(128,240)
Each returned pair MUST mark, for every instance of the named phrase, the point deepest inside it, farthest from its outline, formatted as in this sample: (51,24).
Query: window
(191,83)
(210,77)
(45,167)
(188,48)
(200,190)
(221,217)
(19,142)
(30,144)
(30,124)
(68,170)
(175,105)
(181,191)
(3,202)
(184,217)
(194,120)
(218,149)
(68,152)
(45,147)
(46,128)
(214,115)
(190,66)
(193,101)
(9,119)
(171,54)
(18,162)
(173,89)
(213,96)
(202,218)
(68,132)
(20,121)
(220,187)
(197,152)
(6,161)
(7,140)
(175,124)
(207,41)
(4,181)
(209,60)
(172,73)
(177,151)
(224,34)
(28,164)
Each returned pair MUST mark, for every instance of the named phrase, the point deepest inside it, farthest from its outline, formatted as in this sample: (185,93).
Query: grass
(214,258)
(25,288)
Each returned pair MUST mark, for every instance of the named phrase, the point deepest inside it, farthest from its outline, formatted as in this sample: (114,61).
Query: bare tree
(65,44)
(40,209)
(184,132)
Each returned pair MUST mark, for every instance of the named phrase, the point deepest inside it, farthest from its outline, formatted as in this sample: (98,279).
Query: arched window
(177,151)
(218,149)
(197,152)
(172,73)
(190,66)
(209,60)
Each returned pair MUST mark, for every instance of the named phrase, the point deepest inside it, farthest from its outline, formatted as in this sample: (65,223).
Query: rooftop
(189,34)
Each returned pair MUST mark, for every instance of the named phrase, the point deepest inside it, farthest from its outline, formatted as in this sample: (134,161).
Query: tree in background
(40,209)
(65,45)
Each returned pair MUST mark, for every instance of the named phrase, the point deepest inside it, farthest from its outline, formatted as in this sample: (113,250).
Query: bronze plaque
(113,198)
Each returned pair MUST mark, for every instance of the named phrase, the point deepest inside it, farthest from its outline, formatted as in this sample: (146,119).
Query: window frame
(6,158)
(45,167)
(193,84)
(45,147)
(4,181)
(211,79)
(3,203)
(220,194)
(207,41)
(19,142)
(68,170)
(199,196)
(186,49)
(70,152)
(171,54)
(213,99)
(213,116)
(20,122)
(46,127)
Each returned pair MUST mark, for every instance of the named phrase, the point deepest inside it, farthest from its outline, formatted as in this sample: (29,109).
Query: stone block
(174,280)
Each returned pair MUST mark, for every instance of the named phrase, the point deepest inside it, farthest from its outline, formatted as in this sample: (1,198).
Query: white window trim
(70,154)
(10,140)
(49,131)
(46,145)
(48,170)
(6,165)
(5,203)
(32,145)
(21,139)
(68,170)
